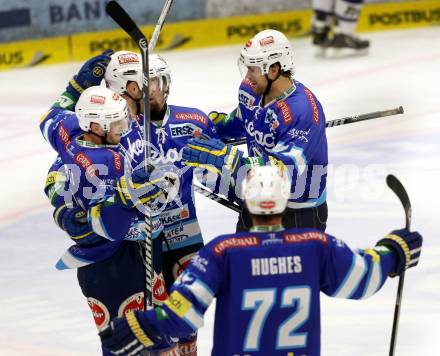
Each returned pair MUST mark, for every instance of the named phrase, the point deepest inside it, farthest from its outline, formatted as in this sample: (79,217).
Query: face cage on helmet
(164,83)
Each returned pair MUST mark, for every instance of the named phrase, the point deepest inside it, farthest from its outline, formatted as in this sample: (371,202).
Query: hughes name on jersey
(291,128)
(267,286)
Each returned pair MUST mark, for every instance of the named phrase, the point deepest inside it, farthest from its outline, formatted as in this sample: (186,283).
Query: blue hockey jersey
(178,218)
(291,129)
(267,286)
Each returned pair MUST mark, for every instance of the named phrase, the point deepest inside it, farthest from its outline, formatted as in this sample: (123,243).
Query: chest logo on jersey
(235,242)
(285,111)
(117,160)
(192,116)
(246,99)
(263,139)
(312,102)
(182,130)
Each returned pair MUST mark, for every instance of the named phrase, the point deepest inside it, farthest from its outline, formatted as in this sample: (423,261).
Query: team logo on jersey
(100,312)
(313,104)
(97,99)
(306,236)
(182,264)
(235,242)
(128,58)
(266,41)
(182,130)
(193,116)
(286,114)
(134,302)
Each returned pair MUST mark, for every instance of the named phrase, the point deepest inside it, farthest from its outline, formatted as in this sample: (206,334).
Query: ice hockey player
(110,257)
(334,23)
(172,126)
(267,282)
(282,121)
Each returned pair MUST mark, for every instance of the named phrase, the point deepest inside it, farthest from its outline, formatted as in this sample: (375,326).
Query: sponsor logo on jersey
(306,236)
(182,130)
(128,58)
(235,242)
(159,291)
(312,102)
(285,111)
(64,135)
(64,101)
(245,98)
(117,160)
(136,148)
(182,264)
(266,41)
(100,312)
(86,163)
(299,134)
(200,263)
(263,139)
(170,156)
(178,303)
(193,117)
(171,216)
(97,99)
(134,302)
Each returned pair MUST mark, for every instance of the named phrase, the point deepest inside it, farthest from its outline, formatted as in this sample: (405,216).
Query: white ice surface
(42,311)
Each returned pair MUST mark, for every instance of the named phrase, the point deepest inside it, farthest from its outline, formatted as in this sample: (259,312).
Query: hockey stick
(339,122)
(152,267)
(400,191)
(159,25)
(207,193)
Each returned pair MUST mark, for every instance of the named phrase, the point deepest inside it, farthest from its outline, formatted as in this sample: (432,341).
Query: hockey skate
(320,39)
(346,45)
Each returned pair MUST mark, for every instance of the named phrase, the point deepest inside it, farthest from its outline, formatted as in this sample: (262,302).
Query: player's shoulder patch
(313,105)
(227,242)
(290,237)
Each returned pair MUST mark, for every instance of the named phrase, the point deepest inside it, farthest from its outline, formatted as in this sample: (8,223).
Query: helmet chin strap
(102,137)
(137,102)
(269,83)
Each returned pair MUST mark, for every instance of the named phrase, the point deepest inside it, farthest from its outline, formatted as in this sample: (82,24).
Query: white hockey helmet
(159,68)
(264,49)
(123,67)
(266,190)
(100,105)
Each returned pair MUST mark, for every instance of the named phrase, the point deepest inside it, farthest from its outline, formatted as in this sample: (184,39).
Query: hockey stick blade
(397,187)
(123,19)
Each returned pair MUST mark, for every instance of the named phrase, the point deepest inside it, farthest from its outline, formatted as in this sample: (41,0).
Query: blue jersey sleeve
(354,274)
(58,127)
(190,296)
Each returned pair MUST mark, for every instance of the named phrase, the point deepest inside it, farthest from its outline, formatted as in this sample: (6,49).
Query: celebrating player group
(120,207)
